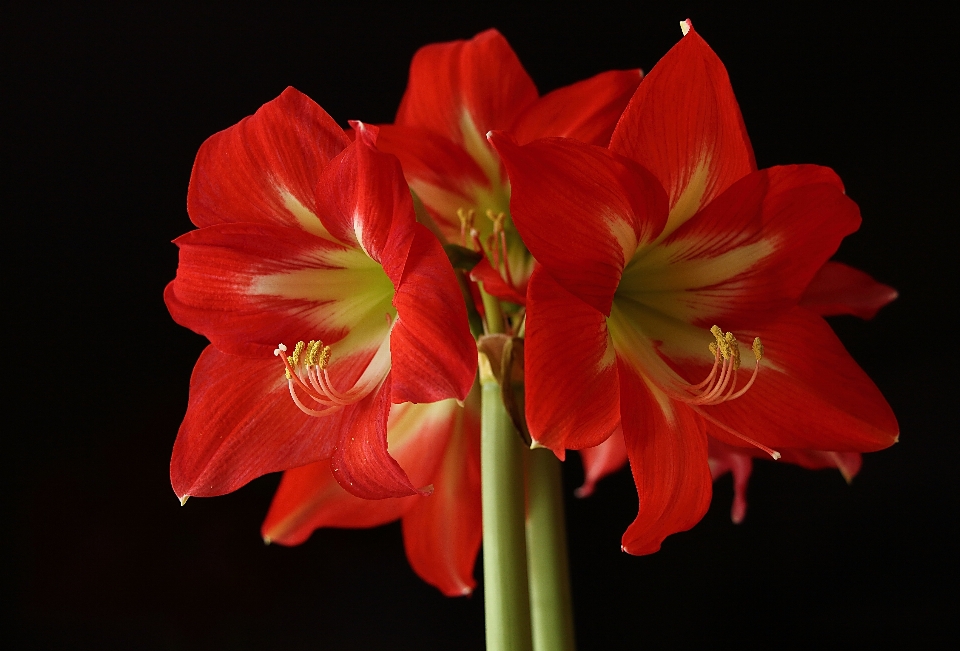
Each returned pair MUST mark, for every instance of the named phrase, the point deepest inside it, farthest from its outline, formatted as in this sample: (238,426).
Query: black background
(105,109)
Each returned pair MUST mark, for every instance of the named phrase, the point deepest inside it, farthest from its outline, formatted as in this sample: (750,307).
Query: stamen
(720,384)
(466,224)
(309,362)
(499,243)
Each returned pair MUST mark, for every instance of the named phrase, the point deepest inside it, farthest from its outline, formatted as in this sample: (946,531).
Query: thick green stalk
(550,602)
(506,597)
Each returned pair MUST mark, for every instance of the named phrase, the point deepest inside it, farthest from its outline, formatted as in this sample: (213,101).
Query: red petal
(809,394)
(667,446)
(441,172)
(840,289)
(751,252)
(364,201)
(481,78)
(684,125)
(263,170)
(587,110)
(248,287)
(310,497)
(241,423)
(442,532)
(494,284)
(727,458)
(433,353)
(581,211)
(361,463)
(602,460)
(848,463)
(572,396)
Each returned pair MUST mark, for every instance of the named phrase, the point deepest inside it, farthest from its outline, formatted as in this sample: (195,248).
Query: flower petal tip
(426,490)
(686,26)
(183,500)
(267,541)
(536,445)
(584,491)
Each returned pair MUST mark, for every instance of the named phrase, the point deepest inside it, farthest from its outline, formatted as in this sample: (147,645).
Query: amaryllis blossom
(306,237)
(645,248)
(437,444)
(457,92)
(835,289)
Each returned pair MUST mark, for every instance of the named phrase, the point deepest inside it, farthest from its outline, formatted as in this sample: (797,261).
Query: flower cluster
(343,277)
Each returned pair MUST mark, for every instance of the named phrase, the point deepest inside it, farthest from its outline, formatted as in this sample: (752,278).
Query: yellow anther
(287,373)
(713,349)
(324,357)
(294,357)
(312,349)
(466,218)
(732,350)
(757,348)
(497,219)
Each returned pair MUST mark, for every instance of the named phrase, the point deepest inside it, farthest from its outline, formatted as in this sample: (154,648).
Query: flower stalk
(551,605)
(506,599)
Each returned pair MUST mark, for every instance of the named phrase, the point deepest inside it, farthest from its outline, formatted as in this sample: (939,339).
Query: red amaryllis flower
(304,235)
(437,444)
(459,91)
(644,247)
(835,289)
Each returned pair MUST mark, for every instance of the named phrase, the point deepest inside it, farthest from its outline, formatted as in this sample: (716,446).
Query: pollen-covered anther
(466,224)
(306,371)
(497,244)
(721,383)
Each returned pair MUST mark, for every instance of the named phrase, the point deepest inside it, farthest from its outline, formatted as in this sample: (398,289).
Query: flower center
(307,371)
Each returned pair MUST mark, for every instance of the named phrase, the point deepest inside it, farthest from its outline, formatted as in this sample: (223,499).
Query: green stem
(506,598)
(550,602)
(491,305)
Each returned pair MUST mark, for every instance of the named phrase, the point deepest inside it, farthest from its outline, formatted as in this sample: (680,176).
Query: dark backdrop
(105,108)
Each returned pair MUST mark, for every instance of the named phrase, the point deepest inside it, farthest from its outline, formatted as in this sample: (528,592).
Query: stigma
(307,372)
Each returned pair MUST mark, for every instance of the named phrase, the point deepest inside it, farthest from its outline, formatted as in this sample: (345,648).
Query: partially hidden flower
(611,456)
(457,92)
(437,444)
(644,248)
(306,237)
